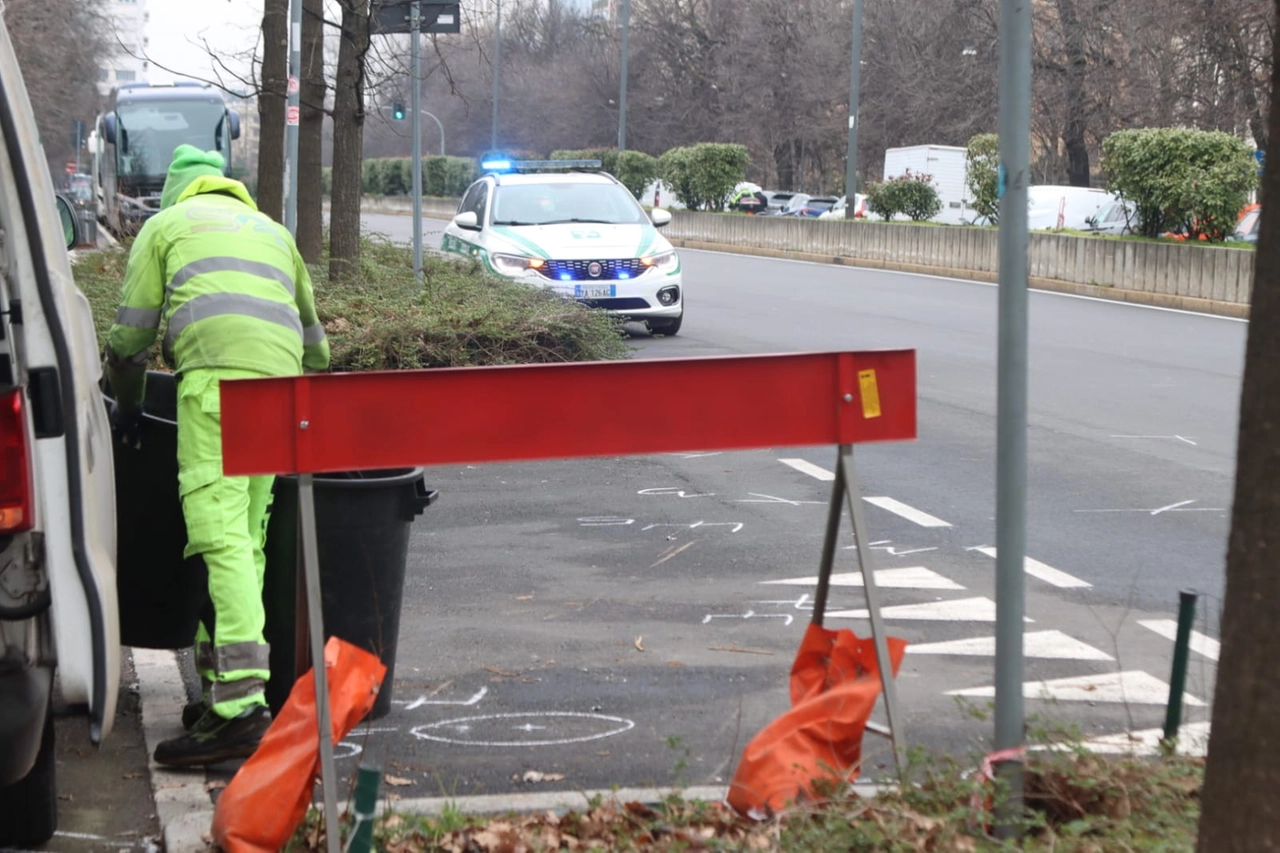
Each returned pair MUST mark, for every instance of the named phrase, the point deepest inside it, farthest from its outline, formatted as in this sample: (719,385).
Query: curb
(1137,297)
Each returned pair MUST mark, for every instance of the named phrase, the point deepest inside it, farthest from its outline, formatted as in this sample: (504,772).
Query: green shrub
(703,176)
(982,167)
(441,176)
(636,170)
(912,195)
(326,180)
(1178,179)
(608,157)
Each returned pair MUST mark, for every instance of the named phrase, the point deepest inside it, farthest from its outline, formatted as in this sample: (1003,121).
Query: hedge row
(441,176)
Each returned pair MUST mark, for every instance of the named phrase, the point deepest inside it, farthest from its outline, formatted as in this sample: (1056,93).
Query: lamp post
(622,75)
(855,83)
(497,67)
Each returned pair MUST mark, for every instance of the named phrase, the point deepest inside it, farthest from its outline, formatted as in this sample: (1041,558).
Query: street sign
(437,16)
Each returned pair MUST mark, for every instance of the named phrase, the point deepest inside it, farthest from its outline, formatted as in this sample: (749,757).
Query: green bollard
(1178,679)
(366,800)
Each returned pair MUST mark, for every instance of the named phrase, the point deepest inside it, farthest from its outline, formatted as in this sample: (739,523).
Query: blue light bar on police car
(504,165)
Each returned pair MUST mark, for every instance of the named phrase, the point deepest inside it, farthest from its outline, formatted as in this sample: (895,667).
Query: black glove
(127,425)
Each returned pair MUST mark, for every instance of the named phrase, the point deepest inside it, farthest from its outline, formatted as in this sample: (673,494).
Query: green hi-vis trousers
(226,523)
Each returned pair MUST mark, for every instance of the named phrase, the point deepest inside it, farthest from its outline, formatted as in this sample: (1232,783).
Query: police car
(579,233)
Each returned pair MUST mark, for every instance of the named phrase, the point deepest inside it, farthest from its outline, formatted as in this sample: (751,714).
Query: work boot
(213,739)
(192,712)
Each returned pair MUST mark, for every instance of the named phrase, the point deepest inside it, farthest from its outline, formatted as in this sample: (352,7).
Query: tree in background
(271,107)
(982,174)
(310,237)
(348,141)
(1240,812)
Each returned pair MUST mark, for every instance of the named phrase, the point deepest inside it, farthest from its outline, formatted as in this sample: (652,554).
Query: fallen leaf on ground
(675,664)
(537,776)
(524,598)
(215,785)
(131,776)
(397,781)
(639,644)
(736,649)
(501,672)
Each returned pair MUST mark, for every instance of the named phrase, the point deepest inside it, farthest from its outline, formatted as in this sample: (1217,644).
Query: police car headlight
(662,262)
(514,264)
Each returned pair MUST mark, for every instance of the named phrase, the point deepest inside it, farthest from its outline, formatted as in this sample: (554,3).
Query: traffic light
(397,111)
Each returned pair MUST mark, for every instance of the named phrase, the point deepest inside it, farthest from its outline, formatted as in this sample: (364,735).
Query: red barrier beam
(365,421)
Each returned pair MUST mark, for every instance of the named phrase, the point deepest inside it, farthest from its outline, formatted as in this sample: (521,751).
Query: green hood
(189,164)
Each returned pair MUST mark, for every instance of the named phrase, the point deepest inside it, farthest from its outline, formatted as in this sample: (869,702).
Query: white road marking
(912,577)
(1132,686)
(698,455)
(1182,438)
(673,490)
(891,550)
(424,732)
(736,525)
(750,614)
(1193,740)
(1200,643)
(801,603)
(757,498)
(1171,506)
(1180,506)
(1053,645)
(605,521)
(910,513)
(809,468)
(1037,569)
(957,610)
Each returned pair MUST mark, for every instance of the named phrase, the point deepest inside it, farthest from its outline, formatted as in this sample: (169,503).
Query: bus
(134,139)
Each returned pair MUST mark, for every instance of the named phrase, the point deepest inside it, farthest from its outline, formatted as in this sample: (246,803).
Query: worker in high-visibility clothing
(227,285)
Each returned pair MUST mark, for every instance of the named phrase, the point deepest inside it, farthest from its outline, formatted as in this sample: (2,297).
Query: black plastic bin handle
(422,496)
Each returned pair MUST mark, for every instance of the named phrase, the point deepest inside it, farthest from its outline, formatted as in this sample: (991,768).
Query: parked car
(1117,217)
(1247,228)
(59,628)
(777,202)
(1060,207)
(813,207)
(837,210)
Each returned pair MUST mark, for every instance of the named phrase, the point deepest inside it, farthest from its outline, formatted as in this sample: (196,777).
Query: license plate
(594,291)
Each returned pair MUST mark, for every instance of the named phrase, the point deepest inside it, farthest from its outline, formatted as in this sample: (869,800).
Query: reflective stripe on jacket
(228,283)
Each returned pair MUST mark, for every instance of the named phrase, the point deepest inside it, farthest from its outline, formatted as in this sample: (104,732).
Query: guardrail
(1194,277)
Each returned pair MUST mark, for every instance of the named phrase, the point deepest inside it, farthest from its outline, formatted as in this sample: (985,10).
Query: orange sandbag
(834,686)
(269,795)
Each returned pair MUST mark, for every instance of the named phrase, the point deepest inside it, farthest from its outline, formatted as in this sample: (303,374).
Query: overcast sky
(178,27)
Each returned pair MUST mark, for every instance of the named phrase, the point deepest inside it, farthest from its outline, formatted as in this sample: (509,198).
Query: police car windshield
(557,203)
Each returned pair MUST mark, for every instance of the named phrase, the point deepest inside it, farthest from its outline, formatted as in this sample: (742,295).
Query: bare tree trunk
(1074,95)
(310,129)
(1240,810)
(348,142)
(271,104)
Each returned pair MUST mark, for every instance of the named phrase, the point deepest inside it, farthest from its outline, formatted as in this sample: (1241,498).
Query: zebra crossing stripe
(911,577)
(1053,645)
(1200,644)
(1132,686)
(980,609)
(1048,574)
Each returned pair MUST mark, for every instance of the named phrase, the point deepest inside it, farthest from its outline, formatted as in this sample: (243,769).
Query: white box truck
(947,165)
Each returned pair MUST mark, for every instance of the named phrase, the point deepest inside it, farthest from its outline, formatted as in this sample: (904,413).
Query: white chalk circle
(483,730)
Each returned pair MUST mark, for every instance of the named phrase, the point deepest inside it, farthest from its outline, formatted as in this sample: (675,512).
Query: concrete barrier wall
(1173,274)
(1167,269)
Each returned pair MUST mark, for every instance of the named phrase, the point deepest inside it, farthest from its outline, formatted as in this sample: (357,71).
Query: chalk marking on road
(1161,510)
(910,577)
(1037,569)
(674,490)
(355,750)
(805,467)
(1131,686)
(1200,643)
(770,499)
(980,609)
(750,614)
(1182,438)
(891,550)
(605,521)
(421,701)
(698,455)
(736,525)
(1053,645)
(671,552)
(1193,740)
(84,836)
(859,269)
(462,724)
(801,603)
(910,513)
(1171,507)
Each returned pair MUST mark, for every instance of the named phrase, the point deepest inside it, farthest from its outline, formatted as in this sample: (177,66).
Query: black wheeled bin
(362,519)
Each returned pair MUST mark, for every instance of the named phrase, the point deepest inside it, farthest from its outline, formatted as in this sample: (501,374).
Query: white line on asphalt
(1193,740)
(1200,643)
(1133,686)
(856,268)
(1037,569)
(957,610)
(1178,437)
(1053,645)
(910,513)
(421,701)
(809,468)
(910,577)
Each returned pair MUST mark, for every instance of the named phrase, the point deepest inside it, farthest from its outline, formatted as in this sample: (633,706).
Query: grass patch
(458,316)
(1077,802)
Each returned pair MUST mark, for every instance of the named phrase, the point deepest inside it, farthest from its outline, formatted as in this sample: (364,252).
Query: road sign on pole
(389,17)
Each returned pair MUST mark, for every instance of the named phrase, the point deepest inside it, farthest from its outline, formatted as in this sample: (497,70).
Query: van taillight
(15,465)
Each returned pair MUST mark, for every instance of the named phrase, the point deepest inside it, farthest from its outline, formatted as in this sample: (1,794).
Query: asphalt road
(631,621)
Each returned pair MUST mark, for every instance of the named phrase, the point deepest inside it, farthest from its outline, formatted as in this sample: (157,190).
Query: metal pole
(1178,679)
(497,67)
(415,24)
(1011,402)
(855,85)
(292,110)
(315,618)
(622,76)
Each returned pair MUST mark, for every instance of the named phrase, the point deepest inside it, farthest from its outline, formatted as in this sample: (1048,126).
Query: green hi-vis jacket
(228,283)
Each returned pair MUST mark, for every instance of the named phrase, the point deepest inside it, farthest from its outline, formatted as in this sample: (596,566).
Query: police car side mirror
(70,224)
(467,219)
(659,217)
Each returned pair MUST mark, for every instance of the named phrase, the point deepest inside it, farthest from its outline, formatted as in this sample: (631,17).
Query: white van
(58,615)
(1058,207)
